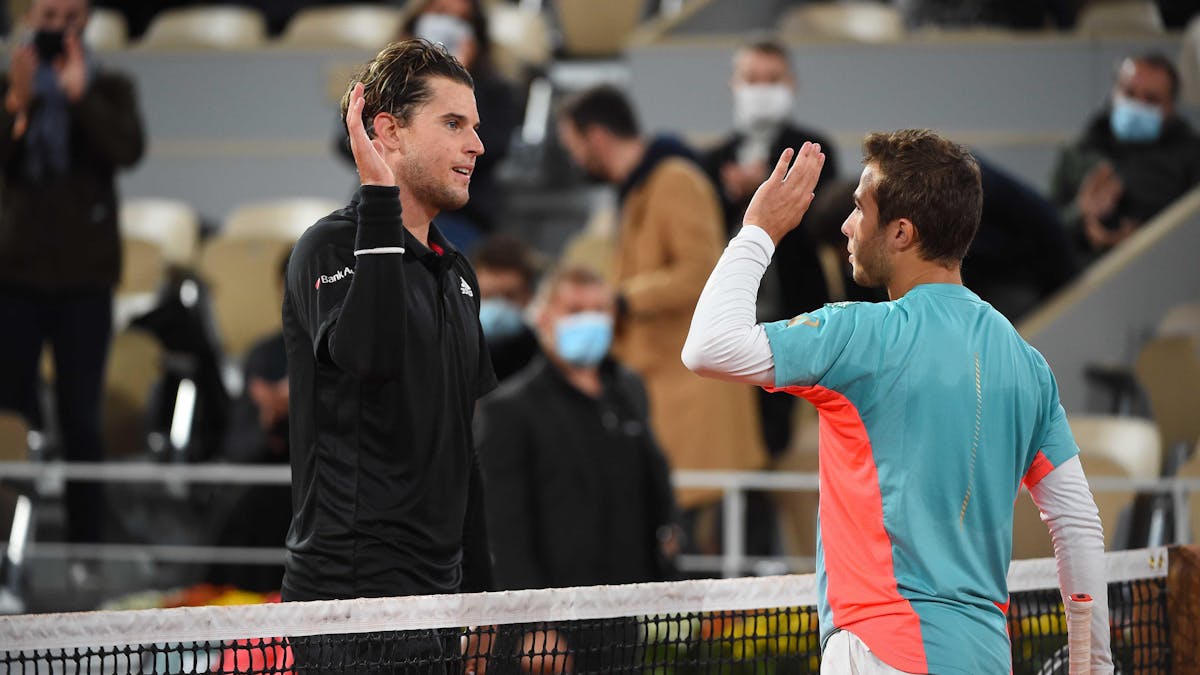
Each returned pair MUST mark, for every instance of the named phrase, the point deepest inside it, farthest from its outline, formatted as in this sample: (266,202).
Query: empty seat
(1120,17)
(1109,446)
(360,26)
(859,21)
(520,39)
(1180,320)
(1168,369)
(207,27)
(597,29)
(106,30)
(241,266)
(14,437)
(155,234)
(134,367)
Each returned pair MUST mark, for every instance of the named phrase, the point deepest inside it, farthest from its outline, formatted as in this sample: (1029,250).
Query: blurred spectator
(67,127)
(764,93)
(1020,254)
(578,492)
(507,273)
(1135,157)
(259,515)
(669,236)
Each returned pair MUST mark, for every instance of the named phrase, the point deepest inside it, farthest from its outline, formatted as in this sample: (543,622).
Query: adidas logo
(466,289)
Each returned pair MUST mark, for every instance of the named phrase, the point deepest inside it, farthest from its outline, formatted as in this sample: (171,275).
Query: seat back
(106,30)
(1120,17)
(597,29)
(207,27)
(1168,369)
(155,234)
(357,26)
(859,21)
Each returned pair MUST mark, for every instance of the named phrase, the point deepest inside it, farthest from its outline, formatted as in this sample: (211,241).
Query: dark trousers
(78,327)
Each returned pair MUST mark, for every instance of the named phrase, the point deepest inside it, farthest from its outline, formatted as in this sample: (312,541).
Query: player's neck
(905,278)
(416,216)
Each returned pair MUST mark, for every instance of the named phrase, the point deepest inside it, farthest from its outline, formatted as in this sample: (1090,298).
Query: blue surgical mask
(500,319)
(1134,121)
(583,339)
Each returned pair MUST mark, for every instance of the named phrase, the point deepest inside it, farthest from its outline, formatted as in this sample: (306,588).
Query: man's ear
(904,234)
(387,131)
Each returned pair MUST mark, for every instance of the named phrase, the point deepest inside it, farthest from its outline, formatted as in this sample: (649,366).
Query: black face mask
(48,44)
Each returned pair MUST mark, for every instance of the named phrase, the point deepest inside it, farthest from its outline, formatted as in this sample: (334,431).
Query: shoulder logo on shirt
(805,320)
(466,289)
(333,278)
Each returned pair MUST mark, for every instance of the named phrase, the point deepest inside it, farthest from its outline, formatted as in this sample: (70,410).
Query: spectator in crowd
(670,229)
(66,127)
(1135,157)
(764,93)
(259,515)
(507,274)
(1020,255)
(462,25)
(578,491)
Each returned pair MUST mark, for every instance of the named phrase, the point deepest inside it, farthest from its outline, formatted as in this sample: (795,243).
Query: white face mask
(761,105)
(450,31)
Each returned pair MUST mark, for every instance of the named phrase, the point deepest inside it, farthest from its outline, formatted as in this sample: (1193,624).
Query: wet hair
(396,81)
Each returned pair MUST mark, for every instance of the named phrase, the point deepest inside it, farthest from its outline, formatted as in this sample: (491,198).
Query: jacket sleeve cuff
(379,222)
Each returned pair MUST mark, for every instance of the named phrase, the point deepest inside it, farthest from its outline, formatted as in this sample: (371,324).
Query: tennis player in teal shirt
(933,412)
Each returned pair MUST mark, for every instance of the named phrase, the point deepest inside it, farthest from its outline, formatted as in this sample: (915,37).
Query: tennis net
(748,625)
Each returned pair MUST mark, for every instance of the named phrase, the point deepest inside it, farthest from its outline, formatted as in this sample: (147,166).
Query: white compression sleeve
(1068,509)
(725,340)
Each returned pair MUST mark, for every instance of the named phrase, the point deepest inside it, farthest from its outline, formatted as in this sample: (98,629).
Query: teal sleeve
(1058,443)
(825,347)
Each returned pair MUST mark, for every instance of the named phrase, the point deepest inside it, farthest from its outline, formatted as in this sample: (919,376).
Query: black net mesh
(767,641)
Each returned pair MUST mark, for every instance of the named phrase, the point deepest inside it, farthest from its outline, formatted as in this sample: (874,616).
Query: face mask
(761,105)
(1134,121)
(500,319)
(583,339)
(449,30)
(48,44)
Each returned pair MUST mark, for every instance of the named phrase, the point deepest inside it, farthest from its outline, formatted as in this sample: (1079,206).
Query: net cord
(202,624)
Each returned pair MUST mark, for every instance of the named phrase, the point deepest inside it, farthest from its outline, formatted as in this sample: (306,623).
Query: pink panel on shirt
(861,579)
(1038,468)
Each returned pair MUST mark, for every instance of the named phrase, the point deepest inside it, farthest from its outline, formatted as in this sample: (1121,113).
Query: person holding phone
(66,127)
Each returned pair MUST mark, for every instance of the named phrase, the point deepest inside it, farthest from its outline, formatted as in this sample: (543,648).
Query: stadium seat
(596,29)
(1109,446)
(1191,469)
(134,367)
(1189,65)
(1168,368)
(1119,17)
(1180,320)
(520,39)
(241,266)
(859,21)
(106,30)
(358,26)
(14,437)
(207,27)
(155,234)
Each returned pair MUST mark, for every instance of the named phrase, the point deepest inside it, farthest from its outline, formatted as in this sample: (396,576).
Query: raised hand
(782,200)
(368,154)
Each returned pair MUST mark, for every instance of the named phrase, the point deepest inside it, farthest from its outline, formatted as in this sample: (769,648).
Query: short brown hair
(506,252)
(603,106)
(933,182)
(396,81)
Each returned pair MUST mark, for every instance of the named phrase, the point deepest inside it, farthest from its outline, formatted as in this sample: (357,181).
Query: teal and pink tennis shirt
(933,411)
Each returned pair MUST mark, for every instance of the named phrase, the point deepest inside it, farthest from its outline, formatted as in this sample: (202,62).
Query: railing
(48,477)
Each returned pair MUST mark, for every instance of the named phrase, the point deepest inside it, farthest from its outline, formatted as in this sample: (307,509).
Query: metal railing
(50,476)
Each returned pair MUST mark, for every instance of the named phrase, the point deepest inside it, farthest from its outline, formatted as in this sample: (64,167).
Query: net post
(733,506)
(1183,608)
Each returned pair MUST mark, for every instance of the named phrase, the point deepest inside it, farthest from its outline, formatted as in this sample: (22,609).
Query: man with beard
(933,412)
(386,356)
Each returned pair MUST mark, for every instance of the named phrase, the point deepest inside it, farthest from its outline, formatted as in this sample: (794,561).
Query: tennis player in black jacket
(386,357)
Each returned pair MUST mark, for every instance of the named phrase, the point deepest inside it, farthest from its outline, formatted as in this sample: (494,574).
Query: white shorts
(846,654)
